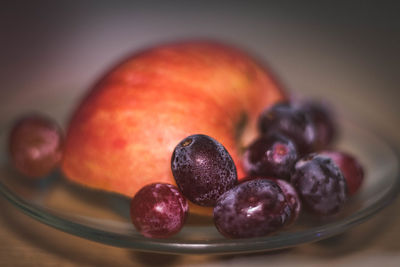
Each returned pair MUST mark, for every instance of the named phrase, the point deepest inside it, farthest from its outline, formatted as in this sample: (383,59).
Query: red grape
(35,145)
(159,210)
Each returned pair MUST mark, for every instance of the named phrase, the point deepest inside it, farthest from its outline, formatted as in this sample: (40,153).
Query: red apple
(122,135)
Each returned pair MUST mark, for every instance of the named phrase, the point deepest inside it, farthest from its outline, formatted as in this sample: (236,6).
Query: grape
(292,197)
(159,210)
(320,184)
(292,122)
(271,155)
(252,209)
(35,145)
(203,169)
(290,193)
(323,120)
(350,167)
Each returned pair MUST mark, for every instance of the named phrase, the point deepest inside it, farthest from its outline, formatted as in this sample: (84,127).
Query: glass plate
(104,217)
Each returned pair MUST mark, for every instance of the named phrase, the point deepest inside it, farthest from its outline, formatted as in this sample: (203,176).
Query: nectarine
(122,135)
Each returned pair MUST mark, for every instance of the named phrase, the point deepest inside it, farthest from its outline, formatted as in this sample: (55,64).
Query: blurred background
(347,52)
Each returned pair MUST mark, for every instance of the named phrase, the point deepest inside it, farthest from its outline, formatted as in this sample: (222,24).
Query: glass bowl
(104,217)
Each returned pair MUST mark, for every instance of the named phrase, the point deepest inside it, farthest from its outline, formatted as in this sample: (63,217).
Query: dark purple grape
(35,145)
(351,169)
(320,184)
(292,122)
(270,155)
(159,210)
(292,198)
(323,120)
(203,169)
(252,209)
(290,193)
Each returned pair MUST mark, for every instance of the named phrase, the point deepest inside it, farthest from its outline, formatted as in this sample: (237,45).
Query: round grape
(292,122)
(35,145)
(270,155)
(159,210)
(320,184)
(324,122)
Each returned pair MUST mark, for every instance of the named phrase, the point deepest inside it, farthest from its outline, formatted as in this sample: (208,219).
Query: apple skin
(122,135)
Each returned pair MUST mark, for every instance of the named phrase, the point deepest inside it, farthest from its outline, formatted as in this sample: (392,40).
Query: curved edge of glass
(230,246)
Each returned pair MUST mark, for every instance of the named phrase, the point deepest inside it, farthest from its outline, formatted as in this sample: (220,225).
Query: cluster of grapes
(285,173)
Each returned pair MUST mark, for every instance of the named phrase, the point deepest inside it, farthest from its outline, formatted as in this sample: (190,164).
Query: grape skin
(291,121)
(351,169)
(320,184)
(273,155)
(254,208)
(292,197)
(159,210)
(203,169)
(35,145)
(324,122)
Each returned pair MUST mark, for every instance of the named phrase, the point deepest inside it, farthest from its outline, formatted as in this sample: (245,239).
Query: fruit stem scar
(240,126)
(187,142)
